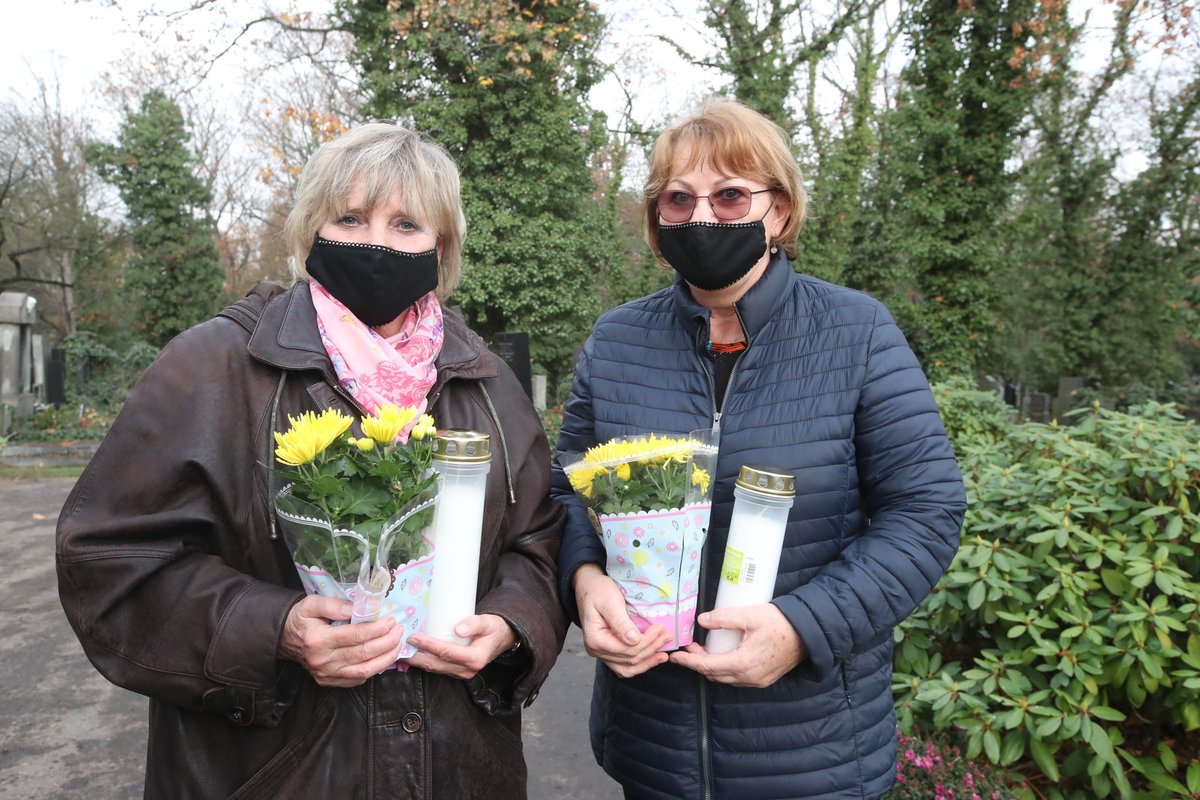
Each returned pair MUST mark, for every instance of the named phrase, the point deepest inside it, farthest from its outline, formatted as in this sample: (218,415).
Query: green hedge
(1064,641)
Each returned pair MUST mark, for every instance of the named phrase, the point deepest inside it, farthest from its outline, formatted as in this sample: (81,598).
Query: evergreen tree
(766,46)
(1103,266)
(843,157)
(1149,270)
(965,91)
(1061,225)
(174,273)
(501,85)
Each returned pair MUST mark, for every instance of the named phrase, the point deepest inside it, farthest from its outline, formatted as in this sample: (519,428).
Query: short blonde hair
(737,140)
(386,158)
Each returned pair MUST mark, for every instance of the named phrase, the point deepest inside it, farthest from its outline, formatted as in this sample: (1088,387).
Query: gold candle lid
(767,480)
(460,445)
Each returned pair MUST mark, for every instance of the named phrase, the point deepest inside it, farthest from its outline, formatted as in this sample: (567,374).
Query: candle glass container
(762,498)
(461,459)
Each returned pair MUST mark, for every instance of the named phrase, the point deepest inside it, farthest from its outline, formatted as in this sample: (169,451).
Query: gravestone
(513,347)
(1036,407)
(1068,387)
(992,385)
(20,375)
(56,377)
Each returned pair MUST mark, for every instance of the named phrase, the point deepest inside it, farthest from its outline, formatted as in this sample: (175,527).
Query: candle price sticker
(738,568)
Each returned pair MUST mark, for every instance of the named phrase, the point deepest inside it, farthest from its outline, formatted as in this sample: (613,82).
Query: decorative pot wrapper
(347,565)
(654,556)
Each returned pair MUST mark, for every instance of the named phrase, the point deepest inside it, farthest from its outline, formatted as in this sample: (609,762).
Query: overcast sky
(79,40)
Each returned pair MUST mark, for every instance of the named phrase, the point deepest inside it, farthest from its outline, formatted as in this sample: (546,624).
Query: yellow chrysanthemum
(622,472)
(425,427)
(581,478)
(309,435)
(385,425)
(366,444)
(700,478)
(650,448)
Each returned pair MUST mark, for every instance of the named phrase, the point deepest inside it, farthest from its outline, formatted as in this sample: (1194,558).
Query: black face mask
(376,283)
(713,255)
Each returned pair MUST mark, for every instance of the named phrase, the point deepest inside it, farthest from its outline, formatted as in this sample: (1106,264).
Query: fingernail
(461,630)
(632,637)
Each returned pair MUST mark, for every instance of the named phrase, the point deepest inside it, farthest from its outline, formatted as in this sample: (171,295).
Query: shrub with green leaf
(1064,641)
(99,376)
(971,416)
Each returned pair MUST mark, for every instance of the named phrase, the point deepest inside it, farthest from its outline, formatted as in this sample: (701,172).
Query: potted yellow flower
(357,511)
(650,497)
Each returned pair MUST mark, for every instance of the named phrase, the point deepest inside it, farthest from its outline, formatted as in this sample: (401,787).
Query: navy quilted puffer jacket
(830,391)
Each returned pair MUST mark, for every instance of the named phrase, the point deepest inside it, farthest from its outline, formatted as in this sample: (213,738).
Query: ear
(778,217)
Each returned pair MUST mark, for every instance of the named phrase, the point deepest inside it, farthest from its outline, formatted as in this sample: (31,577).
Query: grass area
(38,473)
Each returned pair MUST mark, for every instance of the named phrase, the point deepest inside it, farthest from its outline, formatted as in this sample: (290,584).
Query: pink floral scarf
(399,369)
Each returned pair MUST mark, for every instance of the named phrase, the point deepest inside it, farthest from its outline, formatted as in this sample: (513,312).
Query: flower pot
(385,573)
(654,557)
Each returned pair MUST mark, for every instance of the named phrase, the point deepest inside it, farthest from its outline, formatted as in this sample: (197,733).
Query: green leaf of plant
(1191,716)
(991,746)
(1044,759)
(1098,739)
(1166,781)
(1114,581)
(976,595)
(1013,747)
(1106,713)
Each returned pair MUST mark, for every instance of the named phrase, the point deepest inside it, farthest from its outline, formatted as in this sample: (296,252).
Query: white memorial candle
(462,459)
(762,498)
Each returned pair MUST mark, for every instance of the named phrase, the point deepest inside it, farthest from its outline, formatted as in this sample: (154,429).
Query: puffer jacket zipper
(702,599)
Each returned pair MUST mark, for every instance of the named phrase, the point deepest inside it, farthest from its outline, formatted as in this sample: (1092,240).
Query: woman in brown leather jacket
(174,575)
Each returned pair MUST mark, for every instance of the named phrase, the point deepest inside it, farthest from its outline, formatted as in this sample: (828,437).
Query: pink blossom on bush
(934,769)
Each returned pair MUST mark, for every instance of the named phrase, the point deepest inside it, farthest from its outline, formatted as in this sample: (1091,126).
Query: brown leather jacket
(175,579)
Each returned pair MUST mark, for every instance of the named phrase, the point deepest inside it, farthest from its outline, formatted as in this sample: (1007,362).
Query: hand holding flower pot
(357,512)
(650,497)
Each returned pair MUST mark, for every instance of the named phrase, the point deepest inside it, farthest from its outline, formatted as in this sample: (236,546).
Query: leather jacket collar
(283,326)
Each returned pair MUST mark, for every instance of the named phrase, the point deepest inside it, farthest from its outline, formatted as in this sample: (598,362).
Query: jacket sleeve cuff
(820,658)
(581,546)
(258,688)
(245,646)
(519,682)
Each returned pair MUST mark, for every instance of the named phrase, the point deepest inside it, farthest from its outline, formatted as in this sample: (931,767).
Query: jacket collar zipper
(702,600)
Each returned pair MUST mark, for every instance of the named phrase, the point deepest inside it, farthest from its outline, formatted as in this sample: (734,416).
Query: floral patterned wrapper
(383,573)
(649,497)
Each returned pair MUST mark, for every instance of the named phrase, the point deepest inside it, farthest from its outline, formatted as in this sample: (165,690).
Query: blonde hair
(737,140)
(386,158)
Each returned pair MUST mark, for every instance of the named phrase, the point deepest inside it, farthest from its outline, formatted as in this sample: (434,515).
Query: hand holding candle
(762,498)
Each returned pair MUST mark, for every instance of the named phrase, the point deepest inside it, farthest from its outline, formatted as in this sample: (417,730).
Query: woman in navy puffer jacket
(812,379)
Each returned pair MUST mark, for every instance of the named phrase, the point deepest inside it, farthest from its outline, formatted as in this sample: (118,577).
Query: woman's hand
(490,636)
(770,647)
(342,655)
(608,632)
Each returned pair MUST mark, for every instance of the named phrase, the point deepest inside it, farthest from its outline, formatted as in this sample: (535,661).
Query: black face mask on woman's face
(713,255)
(376,283)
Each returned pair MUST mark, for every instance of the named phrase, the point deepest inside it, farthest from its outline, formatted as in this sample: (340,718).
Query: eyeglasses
(728,204)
